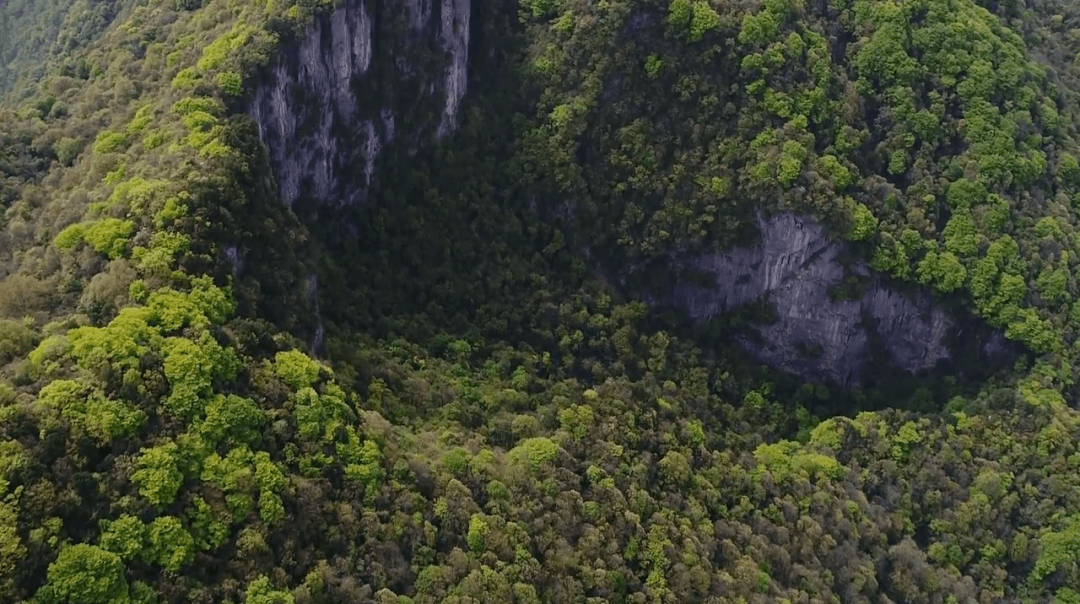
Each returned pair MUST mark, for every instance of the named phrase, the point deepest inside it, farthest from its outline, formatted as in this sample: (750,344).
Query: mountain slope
(953,155)
(495,415)
(36,36)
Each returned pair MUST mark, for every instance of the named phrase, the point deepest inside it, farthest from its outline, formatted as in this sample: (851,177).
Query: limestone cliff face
(380,71)
(793,269)
(371,72)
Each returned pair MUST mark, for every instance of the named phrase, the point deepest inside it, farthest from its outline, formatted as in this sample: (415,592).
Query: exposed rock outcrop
(794,267)
(371,71)
(377,71)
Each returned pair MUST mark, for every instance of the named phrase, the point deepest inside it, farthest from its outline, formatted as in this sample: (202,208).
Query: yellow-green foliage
(199,116)
(864,223)
(12,459)
(173,209)
(943,270)
(198,121)
(296,369)
(829,433)
(318,416)
(203,305)
(704,20)
(785,459)
(86,573)
(215,54)
(534,454)
(261,591)
(120,344)
(158,476)
(830,167)
(154,139)
(191,368)
(48,354)
(192,104)
(185,79)
(124,537)
(109,236)
(653,65)
(12,550)
(541,8)
(230,83)
(70,236)
(88,411)
(140,195)
(905,438)
(169,544)
(110,142)
(143,117)
(1058,548)
(363,463)
(159,258)
(1036,332)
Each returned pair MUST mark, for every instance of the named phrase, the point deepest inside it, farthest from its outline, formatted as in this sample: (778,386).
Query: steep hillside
(625,301)
(39,36)
(951,156)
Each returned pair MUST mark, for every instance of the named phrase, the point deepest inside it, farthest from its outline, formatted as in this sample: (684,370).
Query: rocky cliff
(376,72)
(372,72)
(816,334)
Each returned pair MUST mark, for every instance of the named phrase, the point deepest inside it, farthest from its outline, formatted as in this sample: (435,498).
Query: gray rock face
(793,268)
(363,76)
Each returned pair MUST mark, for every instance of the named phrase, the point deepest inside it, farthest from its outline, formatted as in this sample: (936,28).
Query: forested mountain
(40,36)
(527,301)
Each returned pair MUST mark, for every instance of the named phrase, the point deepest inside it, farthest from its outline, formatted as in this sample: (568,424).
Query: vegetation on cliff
(490,420)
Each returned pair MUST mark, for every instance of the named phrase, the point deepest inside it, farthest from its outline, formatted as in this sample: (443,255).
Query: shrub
(230,83)
(110,142)
(109,236)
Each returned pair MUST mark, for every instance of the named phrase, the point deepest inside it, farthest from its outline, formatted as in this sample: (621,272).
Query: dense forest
(467,388)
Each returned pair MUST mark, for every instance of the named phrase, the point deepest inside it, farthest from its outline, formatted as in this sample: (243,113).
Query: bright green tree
(85,574)
(158,476)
